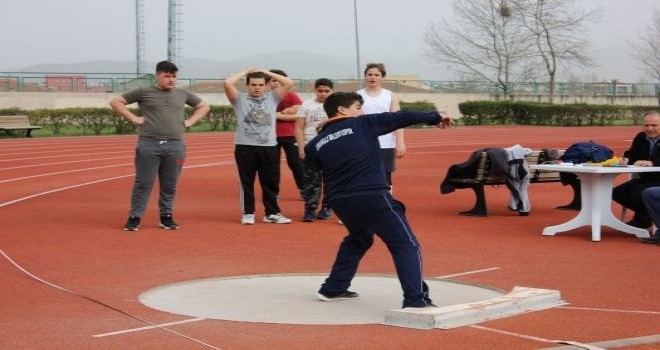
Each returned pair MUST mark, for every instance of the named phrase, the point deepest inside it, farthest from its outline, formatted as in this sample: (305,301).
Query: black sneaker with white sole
(167,222)
(132,223)
(427,306)
(341,296)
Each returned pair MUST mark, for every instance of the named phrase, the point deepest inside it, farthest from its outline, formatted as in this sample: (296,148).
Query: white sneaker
(277,219)
(247,219)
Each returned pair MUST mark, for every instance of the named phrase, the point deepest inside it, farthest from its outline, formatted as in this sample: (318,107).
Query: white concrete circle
(291,299)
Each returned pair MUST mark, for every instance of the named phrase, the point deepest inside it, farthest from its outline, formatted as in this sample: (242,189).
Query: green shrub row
(98,121)
(530,113)
(419,105)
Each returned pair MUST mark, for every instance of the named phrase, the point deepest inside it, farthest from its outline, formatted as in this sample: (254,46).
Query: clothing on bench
(492,166)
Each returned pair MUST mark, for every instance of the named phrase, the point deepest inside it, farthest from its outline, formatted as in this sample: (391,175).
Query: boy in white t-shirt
(311,116)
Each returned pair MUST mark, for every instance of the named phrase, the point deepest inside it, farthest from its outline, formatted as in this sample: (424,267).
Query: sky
(71,31)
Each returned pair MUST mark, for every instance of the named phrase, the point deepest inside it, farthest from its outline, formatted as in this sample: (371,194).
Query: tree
(487,42)
(647,50)
(556,28)
(501,40)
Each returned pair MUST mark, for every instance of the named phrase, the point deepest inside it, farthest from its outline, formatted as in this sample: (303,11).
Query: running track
(63,202)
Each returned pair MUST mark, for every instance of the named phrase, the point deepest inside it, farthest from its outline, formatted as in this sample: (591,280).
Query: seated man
(642,152)
(651,198)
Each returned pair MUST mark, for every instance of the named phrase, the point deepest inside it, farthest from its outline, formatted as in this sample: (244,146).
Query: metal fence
(121,82)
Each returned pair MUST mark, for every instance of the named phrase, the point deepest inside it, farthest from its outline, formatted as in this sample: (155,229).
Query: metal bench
(17,122)
(482,177)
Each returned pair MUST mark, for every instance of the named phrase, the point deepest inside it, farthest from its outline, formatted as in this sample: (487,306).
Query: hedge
(530,113)
(96,120)
(221,118)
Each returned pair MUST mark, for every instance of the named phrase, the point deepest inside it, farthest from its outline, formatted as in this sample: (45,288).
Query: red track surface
(73,238)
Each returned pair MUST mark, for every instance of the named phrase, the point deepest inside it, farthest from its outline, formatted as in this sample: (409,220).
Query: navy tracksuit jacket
(348,153)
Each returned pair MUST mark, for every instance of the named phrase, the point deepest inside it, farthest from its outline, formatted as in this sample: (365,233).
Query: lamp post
(357,45)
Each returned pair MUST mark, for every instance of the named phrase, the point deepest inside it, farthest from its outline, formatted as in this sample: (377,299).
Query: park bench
(480,177)
(9,123)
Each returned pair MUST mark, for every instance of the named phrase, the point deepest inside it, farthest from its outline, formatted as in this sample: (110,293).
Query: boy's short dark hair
(279,71)
(255,75)
(276,71)
(340,99)
(323,82)
(379,66)
(166,67)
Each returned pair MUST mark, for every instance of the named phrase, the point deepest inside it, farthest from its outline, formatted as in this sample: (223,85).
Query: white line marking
(131,330)
(58,156)
(469,272)
(87,153)
(29,274)
(98,181)
(83,169)
(567,342)
(59,163)
(62,189)
(63,172)
(611,310)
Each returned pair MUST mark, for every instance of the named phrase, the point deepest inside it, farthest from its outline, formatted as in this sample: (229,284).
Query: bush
(419,105)
(531,113)
(221,118)
(103,121)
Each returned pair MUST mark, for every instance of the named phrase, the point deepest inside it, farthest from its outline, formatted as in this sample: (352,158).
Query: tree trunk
(551,92)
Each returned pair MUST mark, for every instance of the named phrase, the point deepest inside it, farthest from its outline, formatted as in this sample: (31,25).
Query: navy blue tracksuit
(348,153)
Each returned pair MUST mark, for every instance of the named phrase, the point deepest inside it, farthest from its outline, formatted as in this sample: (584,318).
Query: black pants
(263,161)
(290,147)
(629,194)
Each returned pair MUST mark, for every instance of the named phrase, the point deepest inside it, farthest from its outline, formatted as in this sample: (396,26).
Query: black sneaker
(309,216)
(132,223)
(324,214)
(640,223)
(167,222)
(427,306)
(654,239)
(341,296)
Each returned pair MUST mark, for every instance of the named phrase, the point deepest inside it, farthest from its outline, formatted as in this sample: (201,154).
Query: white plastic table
(596,183)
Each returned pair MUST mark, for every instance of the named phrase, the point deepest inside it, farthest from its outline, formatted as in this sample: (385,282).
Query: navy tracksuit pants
(380,214)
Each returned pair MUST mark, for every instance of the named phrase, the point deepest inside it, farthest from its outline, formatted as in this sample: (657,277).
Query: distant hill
(297,64)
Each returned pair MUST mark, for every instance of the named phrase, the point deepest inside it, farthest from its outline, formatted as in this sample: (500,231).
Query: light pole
(357,45)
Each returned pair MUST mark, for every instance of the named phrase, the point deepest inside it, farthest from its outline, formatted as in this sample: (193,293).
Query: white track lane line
(63,172)
(58,156)
(132,330)
(519,335)
(62,189)
(60,163)
(610,310)
(468,272)
(4,204)
(82,169)
(96,301)
(196,150)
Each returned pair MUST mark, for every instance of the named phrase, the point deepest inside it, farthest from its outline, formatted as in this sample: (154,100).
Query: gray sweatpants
(153,157)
